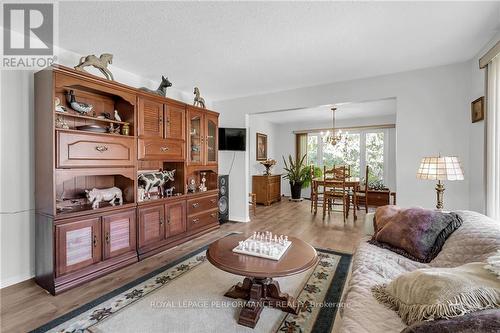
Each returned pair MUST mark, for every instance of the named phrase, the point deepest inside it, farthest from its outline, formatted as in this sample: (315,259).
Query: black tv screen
(232,139)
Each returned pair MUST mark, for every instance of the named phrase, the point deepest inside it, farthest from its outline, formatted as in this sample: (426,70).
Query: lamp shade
(440,168)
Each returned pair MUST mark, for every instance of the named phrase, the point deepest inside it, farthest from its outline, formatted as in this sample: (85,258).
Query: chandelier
(335,136)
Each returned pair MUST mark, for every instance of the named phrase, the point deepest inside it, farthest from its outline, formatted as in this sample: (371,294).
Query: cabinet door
(175,124)
(195,137)
(150,118)
(119,233)
(78,245)
(176,218)
(211,139)
(151,227)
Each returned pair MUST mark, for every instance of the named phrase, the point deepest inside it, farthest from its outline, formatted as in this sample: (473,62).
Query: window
(356,149)
(374,147)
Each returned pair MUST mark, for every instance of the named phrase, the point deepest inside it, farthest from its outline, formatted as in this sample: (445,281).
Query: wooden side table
(267,189)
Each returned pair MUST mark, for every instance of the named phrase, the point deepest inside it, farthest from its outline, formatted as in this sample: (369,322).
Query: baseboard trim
(4,283)
(238,219)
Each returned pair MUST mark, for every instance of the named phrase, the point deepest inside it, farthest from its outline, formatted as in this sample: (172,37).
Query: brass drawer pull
(95,241)
(196,204)
(214,215)
(161,220)
(213,200)
(196,221)
(163,149)
(107,237)
(168,219)
(101,149)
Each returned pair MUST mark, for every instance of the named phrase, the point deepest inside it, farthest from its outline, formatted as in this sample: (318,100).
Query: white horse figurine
(100,63)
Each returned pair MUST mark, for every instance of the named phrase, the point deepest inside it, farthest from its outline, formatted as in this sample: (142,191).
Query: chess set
(264,245)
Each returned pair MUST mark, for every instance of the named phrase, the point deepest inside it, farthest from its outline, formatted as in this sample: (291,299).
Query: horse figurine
(198,100)
(162,89)
(100,63)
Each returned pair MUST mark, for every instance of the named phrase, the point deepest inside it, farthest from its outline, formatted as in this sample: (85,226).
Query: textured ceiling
(232,49)
(371,109)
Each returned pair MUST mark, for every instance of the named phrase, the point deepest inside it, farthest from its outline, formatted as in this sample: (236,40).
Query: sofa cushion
(415,233)
(431,293)
(484,321)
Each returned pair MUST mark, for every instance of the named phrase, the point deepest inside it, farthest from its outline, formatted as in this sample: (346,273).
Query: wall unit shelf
(75,242)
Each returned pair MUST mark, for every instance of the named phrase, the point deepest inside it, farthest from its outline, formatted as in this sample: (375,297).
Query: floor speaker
(223,198)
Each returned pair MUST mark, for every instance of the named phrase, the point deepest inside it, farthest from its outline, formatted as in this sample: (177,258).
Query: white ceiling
(232,49)
(371,109)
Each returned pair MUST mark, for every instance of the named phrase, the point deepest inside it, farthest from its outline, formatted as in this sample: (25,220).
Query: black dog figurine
(162,89)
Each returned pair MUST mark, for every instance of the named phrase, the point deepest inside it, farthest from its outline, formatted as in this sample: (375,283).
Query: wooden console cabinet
(267,189)
(75,242)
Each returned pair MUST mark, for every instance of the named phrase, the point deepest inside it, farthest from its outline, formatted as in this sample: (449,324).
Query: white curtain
(493,140)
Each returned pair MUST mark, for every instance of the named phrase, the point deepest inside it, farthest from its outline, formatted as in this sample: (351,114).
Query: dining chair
(316,194)
(362,192)
(335,190)
(347,169)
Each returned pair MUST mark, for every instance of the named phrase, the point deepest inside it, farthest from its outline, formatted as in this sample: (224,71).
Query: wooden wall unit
(75,243)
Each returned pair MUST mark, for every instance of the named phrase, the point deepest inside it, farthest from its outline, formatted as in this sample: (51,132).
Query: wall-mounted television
(232,139)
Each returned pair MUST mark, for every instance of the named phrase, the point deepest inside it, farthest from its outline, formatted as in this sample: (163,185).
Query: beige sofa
(475,240)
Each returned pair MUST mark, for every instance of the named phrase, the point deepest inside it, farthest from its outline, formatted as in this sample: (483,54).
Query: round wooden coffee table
(258,287)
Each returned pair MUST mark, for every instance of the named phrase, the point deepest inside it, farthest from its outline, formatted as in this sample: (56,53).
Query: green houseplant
(298,175)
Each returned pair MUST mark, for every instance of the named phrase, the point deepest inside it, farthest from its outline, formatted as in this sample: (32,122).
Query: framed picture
(477,109)
(261,147)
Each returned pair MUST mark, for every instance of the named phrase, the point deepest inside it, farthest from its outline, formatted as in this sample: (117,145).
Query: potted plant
(298,175)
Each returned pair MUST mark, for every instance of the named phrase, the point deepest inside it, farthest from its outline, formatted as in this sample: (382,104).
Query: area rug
(187,296)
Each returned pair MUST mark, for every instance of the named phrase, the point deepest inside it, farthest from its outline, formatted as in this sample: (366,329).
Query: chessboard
(264,245)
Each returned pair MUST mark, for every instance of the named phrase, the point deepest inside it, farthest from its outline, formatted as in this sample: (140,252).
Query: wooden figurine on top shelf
(162,89)
(155,179)
(95,196)
(198,100)
(100,63)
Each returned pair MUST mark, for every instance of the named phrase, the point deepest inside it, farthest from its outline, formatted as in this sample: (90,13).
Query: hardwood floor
(26,306)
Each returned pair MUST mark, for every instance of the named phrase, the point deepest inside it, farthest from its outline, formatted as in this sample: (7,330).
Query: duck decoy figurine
(117,116)
(80,107)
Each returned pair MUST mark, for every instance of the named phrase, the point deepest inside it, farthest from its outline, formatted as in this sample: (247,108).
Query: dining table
(350,182)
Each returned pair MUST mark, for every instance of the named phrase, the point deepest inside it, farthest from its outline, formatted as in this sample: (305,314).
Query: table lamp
(440,168)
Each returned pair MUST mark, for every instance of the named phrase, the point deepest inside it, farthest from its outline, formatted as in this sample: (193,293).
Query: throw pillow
(416,233)
(485,321)
(432,293)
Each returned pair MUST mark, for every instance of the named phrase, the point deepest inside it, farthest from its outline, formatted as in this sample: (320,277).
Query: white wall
(477,142)
(432,117)
(17,228)
(285,144)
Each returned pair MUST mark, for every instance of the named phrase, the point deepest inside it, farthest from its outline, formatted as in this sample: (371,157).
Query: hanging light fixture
(335,136)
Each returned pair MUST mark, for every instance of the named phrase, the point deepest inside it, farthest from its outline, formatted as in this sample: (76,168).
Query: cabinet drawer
(198,205)
(89,150)
(202,220)
(160,149)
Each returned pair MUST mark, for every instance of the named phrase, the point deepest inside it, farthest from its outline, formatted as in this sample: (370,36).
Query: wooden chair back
(347,169)
(336,176)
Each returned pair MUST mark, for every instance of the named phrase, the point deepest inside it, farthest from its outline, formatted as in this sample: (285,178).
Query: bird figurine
(80,107)
(117,116)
